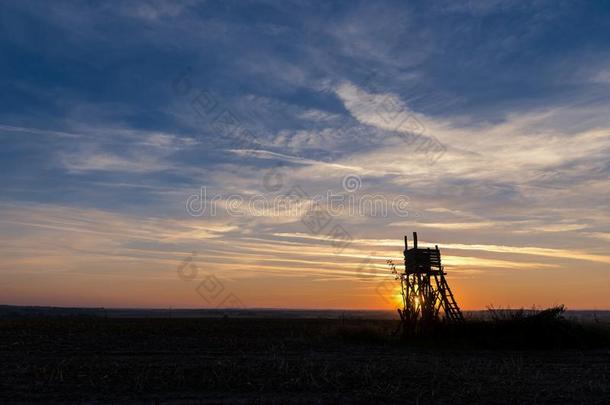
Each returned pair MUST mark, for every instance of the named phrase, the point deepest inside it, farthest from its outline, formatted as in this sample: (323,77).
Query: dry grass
(279,360)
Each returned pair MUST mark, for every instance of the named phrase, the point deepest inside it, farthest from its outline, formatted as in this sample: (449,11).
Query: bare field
(277,360)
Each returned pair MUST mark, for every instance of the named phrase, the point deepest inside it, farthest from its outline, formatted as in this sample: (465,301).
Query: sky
(275,153)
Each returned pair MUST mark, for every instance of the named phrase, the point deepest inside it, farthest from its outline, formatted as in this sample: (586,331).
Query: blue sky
(113,114)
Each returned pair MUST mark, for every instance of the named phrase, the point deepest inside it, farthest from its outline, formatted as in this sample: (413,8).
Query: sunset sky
(482,125)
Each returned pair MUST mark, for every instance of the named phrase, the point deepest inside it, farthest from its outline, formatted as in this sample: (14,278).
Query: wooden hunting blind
(426,296)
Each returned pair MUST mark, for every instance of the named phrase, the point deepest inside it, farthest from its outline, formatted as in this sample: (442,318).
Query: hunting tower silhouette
(426,296)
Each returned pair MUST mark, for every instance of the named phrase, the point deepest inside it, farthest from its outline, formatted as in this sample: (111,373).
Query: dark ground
(277,360)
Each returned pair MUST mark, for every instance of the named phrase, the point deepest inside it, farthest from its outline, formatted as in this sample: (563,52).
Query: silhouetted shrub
(517,329)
